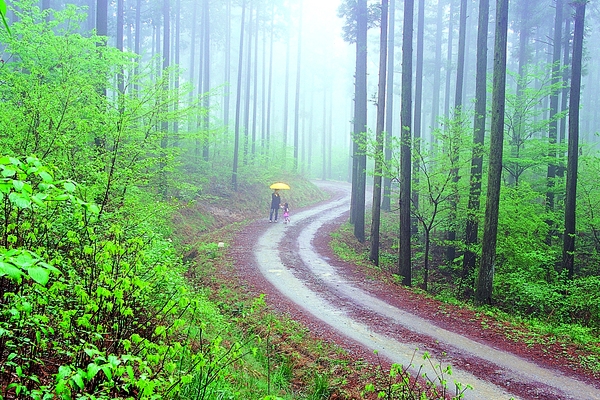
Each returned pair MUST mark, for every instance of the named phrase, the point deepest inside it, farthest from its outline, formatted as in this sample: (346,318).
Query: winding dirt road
(362,313)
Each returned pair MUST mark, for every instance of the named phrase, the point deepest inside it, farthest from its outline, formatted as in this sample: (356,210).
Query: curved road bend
(516,371)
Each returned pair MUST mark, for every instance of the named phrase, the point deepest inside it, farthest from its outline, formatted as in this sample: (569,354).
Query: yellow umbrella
(279,185)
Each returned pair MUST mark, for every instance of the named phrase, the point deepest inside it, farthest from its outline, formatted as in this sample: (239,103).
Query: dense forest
(475,124)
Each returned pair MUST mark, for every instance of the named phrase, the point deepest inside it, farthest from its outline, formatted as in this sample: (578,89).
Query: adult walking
(275,202)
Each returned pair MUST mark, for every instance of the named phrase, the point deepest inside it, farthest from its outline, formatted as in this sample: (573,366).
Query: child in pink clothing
(286,213)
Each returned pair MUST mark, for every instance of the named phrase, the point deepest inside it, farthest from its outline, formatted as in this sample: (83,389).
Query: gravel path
(359,312)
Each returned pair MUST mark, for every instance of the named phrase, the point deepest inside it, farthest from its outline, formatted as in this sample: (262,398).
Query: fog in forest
(297,79)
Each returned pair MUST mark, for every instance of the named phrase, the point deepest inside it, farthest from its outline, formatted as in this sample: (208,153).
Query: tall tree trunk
(449,61)
(389,110)
(485,278)
(286,94)
(177,55)
(553,125)
(472,226)
(120,40)
(270,83)
(263,107)
(101,30)
(329,135)
(192,67)
(255,83)
(227,67)
(435,103)
(568,256)
(565,92)
(376,207)
(164,125)
(297,100)
(324,138)
(417,135)
(206,78)
(458,96)
(138,40)
(360,124)
(248,82)
(236,145)
(404,259)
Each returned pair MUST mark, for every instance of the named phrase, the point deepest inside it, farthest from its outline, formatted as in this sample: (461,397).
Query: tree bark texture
(485,278)
(404,259)
(376,207)
(472,226)
(568,256)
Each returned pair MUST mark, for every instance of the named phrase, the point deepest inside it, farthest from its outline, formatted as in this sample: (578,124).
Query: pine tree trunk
(236,145)
(389,111)
(418,105)
(404,259)
(485,278)
(472,226)
(297,98)
(248,79)
(120,40)
(376,207)
(360,123)
(568,262)
(458,96)
(270,84)
(206,78)
(435,102)
(449,61)
(553,125)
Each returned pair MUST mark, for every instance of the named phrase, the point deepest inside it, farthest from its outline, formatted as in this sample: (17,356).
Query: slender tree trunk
(227,67)
(568,256)
(458,96)
(404,259)
(270,83)
(324,138)
(206,79)
(565,91)
(360,124)
(472,226)
(376,207)
(248,79)
(101,30)
(437,67)
(236,145)
(309,150)
(263,108)
(485,278)
(286,95)
(449,61)
(553,125)
(417,135)
(255,83)
(138,40)
(329,135)
(389,110)
(193,59)
(120,40)
(177,55)
(166,53)
(297,99)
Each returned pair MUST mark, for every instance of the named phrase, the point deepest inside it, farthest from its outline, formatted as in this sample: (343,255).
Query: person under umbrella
(275,202)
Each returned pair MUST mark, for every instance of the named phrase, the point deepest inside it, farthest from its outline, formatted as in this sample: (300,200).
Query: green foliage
(107,301)
(57,104)
(398,382)
(522,230)
(526,146)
